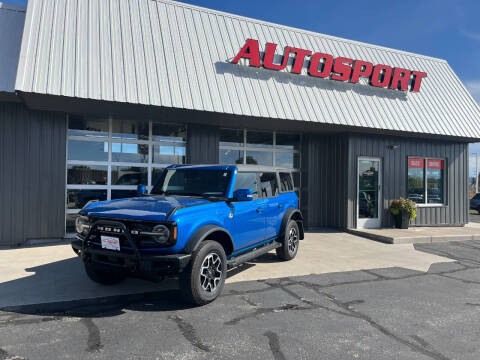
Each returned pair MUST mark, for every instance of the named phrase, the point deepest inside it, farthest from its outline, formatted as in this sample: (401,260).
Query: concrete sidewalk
(54,273)
(420,235)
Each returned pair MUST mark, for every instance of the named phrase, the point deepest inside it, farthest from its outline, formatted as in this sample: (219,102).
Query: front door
(369,196)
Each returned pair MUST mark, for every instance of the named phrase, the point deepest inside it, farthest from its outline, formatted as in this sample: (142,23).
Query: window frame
(150,165)
(425,180)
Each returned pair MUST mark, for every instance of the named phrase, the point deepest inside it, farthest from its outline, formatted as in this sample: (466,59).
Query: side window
(268,185)
(286,182)
(247,181)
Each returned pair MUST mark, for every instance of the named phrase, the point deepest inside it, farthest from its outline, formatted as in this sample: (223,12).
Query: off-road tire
(104,274)
(290,242)
(192,282)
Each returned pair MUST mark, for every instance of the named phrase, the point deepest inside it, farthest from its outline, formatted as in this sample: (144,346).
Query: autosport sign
(326,66)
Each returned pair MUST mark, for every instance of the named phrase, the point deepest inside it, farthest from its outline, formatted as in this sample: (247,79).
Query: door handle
(280,206)
(259,210)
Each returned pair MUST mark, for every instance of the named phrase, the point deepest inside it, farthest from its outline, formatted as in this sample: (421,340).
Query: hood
(155,208)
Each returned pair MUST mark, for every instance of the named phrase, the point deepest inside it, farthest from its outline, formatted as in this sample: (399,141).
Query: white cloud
(471,35)
(474,88)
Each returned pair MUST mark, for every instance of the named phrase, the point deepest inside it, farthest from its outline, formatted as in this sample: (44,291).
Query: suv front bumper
(147,266)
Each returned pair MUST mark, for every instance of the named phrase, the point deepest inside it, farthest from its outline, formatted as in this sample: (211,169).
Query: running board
(235,261)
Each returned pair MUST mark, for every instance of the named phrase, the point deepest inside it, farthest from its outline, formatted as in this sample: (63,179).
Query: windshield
(193,182)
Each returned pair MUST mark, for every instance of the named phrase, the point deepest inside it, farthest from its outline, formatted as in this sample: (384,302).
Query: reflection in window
(87,175)
(288,160)
(268,185)
(260,158)
(416,180)
(435,181)
(130,129)
(288,141)
(122,194)
(247,181)
(426,180)
(168,132)
(286,182)
(89,127)
(77,199)
(129,175)
(87,150)
(124,152)
(168,154)
(231,156)
(259,139)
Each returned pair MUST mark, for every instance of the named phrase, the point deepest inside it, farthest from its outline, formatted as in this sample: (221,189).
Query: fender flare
(289,214)
(202,233)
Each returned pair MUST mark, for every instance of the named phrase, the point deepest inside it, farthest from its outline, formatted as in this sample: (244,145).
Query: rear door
(273,207)
(248,216)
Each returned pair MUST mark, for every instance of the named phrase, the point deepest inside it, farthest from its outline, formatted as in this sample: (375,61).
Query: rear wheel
(104,274)
(203,279)
(290,242)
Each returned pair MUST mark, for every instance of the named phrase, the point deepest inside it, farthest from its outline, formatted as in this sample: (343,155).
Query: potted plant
(403,211)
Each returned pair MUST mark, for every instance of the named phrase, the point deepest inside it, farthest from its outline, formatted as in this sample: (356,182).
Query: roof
(11,28)
(170,54)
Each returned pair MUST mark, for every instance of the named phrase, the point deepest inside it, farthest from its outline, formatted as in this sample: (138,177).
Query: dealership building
(99,96)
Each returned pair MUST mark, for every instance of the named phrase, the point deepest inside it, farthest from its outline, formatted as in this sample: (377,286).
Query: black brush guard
(144,265)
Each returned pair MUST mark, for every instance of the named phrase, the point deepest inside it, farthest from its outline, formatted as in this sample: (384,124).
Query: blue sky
(442,28)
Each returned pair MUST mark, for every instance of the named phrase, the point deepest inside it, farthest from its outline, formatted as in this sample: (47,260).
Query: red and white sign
(435,164)
(414,163)
(326,66)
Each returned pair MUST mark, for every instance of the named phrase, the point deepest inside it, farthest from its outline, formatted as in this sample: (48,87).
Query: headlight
(162,234)
(82,225)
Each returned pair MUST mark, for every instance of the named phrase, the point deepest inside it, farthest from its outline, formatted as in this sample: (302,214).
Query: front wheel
(203,280)
(290,242)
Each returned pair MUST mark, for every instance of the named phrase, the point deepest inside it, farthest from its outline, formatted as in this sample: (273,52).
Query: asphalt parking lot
(389,313)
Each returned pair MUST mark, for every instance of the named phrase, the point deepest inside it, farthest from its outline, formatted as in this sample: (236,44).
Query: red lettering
(315,63)
(400,79)
(299,59)
(270,55)
(381,76)
(361,68)
(341,70)
(417,80)
(249,51)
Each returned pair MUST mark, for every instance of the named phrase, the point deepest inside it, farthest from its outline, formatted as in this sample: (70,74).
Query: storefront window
(279,150)
(426,180)
(107,159)
(435,181)
(87,174)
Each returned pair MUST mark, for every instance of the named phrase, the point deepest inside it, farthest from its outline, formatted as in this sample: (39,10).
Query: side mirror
(243,195)
(141,190)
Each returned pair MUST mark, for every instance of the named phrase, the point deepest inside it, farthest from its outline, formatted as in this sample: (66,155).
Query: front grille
(133,227)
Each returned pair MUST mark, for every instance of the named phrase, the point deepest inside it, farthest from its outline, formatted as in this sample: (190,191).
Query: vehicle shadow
(62,288)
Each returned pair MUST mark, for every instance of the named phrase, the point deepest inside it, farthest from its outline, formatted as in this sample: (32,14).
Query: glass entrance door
(369,193)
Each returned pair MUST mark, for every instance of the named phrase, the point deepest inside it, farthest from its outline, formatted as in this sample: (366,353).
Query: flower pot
(401,220)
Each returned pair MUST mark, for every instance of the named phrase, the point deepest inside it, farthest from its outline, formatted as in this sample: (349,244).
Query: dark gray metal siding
(394,162)
(324,180)
(32,174)
(202,144)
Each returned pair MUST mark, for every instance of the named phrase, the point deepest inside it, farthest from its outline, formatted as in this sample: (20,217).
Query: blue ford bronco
(197,222)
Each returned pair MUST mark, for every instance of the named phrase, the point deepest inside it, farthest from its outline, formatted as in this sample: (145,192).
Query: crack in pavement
(472,304)
(21,319)
(94,343)
(274,343)
(189,332)
(419,346)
